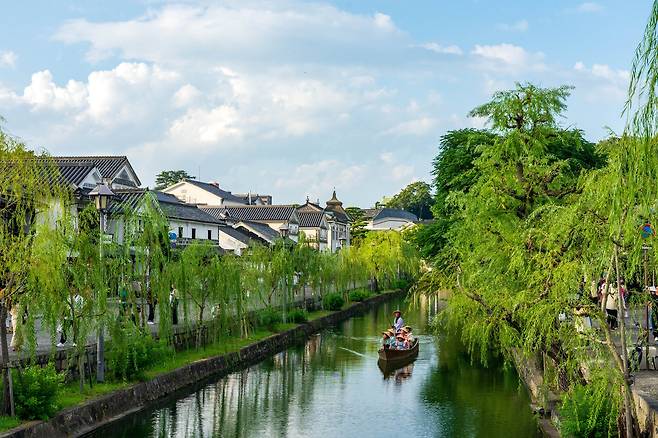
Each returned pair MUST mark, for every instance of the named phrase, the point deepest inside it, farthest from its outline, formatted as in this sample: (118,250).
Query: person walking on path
(16,334)
(612,307)
(173,302)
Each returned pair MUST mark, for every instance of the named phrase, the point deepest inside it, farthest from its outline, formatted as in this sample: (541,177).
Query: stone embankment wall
(90,415)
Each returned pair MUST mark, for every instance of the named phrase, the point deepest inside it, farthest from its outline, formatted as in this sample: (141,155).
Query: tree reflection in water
(331,385)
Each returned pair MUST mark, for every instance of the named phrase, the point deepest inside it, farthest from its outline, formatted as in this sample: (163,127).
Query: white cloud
(253,32)
(386,157)
(518,26)
(130,93)
(603,82)
(604,71)
(43,93)
(320,177)
(186,95)
(438,48)
(419,126)
(508,56)
(402,171)
(8,59)
(589,7)
(384,21)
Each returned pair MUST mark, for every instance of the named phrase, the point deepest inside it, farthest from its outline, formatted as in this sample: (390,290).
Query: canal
(332,387)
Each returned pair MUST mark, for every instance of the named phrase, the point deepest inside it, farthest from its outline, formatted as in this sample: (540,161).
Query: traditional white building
(87,171)
(282,219)
(337,220)
(314,226)
(388,219)
(203,193)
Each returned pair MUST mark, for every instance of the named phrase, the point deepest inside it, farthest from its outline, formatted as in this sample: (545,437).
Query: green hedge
(268,318)
(297,316)
(333,301)
(359,295)
(132,351)
(35,392)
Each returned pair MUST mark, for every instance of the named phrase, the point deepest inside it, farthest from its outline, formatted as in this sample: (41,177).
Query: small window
(209,234)
(180,232)
(193,233)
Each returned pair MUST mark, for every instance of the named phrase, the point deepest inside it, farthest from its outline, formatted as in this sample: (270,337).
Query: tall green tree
(416,198)
(357,224)
(513,254)
(29,186)
(167,178)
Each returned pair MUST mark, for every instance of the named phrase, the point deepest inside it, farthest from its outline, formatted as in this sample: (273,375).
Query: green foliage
(589,412)
(359,295)
(333,301)
(416,198)
(357,225)
(268,318)
(298,316)
(509,240)
(400,283)
(167,178)
(35,392)
(132,352)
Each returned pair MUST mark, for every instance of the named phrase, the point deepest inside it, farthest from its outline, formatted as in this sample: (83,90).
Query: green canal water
(332,387)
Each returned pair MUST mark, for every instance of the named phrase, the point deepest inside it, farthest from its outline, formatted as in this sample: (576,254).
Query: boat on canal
(390,355)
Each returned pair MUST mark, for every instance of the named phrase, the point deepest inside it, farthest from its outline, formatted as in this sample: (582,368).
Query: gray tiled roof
(310,218)
(383,213)
(216,212)
(226,196)
(75,173)
(261,212)
(239,235)
(170,206)
(107,165)
(262,230)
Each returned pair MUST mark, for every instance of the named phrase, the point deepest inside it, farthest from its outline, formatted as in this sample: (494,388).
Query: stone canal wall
(83,418)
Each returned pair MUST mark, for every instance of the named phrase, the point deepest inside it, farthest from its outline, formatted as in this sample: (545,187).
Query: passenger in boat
(402,343)
(386,340)
(406,331)
(398,322)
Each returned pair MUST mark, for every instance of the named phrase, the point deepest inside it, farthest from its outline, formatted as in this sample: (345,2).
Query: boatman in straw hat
(398,322)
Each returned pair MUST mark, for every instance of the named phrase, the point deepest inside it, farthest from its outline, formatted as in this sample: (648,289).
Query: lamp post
(101,196)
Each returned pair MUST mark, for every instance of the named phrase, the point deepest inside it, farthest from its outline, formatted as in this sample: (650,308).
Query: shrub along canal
(332,386)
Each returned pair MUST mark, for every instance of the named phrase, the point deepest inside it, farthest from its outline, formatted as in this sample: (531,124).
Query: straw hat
(387,334)
(397,311)
(407,328)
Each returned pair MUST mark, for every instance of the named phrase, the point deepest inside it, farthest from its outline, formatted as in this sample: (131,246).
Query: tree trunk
(628,401)
(4,360)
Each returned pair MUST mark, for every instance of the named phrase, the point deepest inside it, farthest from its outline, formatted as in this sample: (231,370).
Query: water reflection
(332,386)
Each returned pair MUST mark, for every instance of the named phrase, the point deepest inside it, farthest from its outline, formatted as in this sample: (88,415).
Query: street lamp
(101,196)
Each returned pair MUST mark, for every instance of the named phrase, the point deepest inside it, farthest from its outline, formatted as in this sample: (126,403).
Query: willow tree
(305,265)
(29,183)
(83,300)
(142,258)
(514,257)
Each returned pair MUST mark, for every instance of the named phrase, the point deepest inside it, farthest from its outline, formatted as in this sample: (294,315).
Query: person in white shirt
(398,322)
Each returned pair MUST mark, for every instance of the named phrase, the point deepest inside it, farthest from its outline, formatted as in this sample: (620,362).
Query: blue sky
(293,98)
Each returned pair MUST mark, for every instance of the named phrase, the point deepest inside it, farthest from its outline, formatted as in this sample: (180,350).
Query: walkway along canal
(332,386)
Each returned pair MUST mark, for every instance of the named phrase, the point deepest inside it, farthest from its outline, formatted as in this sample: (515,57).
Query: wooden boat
(390,355)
